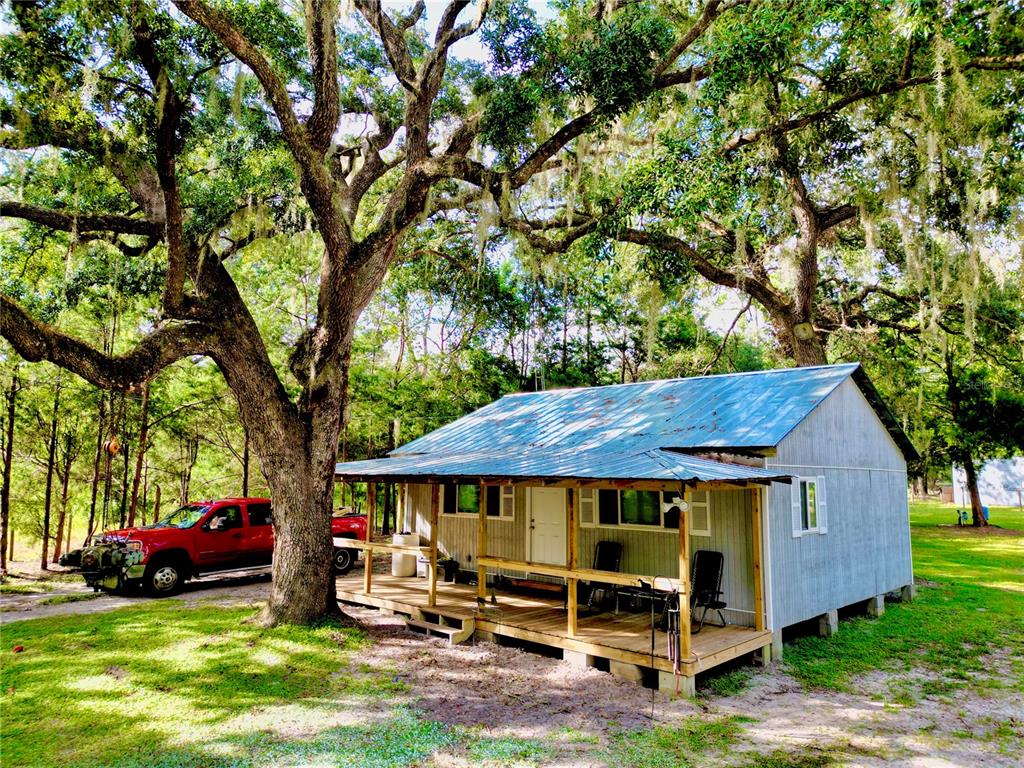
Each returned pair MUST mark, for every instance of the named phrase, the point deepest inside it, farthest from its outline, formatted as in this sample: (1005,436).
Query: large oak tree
(184,131)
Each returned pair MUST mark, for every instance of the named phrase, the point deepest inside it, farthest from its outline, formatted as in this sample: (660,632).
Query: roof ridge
(831,366)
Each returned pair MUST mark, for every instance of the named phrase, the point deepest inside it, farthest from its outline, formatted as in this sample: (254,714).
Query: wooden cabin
(796,477)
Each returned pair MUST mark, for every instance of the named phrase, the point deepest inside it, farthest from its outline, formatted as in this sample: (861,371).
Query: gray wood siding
(866,549)
(651,553)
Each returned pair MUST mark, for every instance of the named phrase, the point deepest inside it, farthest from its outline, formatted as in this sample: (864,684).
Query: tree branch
(35,341)
(323,54)
(135,174)
(316,181)
(894,86)
(81,222)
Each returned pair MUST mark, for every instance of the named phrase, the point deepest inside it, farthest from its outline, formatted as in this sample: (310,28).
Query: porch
(623,637)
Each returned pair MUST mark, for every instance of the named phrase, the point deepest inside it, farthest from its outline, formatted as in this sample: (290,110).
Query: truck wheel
(164,578)
(343,560)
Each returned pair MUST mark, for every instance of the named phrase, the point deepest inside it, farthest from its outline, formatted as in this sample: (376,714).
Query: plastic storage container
(401,563)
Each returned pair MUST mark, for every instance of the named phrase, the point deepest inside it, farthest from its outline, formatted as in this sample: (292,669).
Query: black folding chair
(706,586)
(607,557)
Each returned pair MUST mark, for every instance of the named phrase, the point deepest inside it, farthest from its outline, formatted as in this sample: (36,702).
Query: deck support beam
(876,606)
(907,593)
(828,623)
(677,686)
(776,649)
(570,544)
(435,511)
(481,546)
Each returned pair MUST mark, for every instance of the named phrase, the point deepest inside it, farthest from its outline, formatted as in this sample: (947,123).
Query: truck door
(261,532)
(220,540)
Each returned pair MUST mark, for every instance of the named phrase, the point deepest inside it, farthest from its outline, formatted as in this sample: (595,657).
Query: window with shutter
(700,513)
(508,502)
(587,503)
(500,502)
(808,505)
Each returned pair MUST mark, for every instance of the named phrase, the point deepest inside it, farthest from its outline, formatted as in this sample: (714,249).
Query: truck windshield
(183,517)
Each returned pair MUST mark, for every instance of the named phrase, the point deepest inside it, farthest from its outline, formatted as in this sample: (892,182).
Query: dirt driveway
(59,586)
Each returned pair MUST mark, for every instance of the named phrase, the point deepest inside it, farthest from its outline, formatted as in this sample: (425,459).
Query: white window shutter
(795,488)
(508,501)
(822,507)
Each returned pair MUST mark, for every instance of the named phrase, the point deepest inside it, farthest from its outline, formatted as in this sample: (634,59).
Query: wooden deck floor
(623,637)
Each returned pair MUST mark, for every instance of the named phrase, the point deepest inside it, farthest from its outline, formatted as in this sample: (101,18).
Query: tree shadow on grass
(159,683)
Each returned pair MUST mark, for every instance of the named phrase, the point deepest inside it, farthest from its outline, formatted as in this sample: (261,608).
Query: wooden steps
(453,634)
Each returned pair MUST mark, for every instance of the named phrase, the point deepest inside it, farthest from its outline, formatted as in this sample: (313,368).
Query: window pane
(469,499)
(259,514)
(493,501)
(812,505)
(805,522)
(608,507)
(640,508)
(672,517)
(449,495)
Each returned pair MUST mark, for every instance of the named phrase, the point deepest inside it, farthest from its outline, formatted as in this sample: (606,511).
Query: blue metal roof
(627,431)
(744,410)
(656,465)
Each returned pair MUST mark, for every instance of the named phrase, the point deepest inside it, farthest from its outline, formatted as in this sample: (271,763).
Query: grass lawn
(166,684)
(972,605)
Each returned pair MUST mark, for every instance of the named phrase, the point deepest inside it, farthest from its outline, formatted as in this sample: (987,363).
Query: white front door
(547,525)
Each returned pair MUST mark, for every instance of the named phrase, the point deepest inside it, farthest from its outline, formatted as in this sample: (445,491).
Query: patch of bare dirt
(970,530)
(509,692)
(506,689)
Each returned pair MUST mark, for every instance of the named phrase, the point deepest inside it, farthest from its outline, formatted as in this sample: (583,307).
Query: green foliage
(539,69)
(675,746)
(507,752)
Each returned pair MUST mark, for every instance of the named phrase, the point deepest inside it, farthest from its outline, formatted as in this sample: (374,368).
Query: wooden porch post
(570,559)
(371,513)
(435,509)
(684,579)
(757,544)
(481,545)
(400,514)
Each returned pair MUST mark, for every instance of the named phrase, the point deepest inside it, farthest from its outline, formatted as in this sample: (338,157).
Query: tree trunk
(51,456)
(5,490)
(245,466)
(978,517)
(140,455)
(156,503)
(123,516)
(96,468)
(798,338)
(67,459)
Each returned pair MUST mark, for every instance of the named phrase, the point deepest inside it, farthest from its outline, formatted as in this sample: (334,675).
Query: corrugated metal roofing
(745,410)
(655,465)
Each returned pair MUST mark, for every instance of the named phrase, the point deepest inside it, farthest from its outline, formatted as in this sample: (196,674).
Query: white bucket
(403,564)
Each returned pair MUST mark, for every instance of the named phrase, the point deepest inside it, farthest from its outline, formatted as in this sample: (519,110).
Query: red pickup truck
(197,539)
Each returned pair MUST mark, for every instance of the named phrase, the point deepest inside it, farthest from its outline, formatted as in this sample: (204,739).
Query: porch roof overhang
(658,466)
